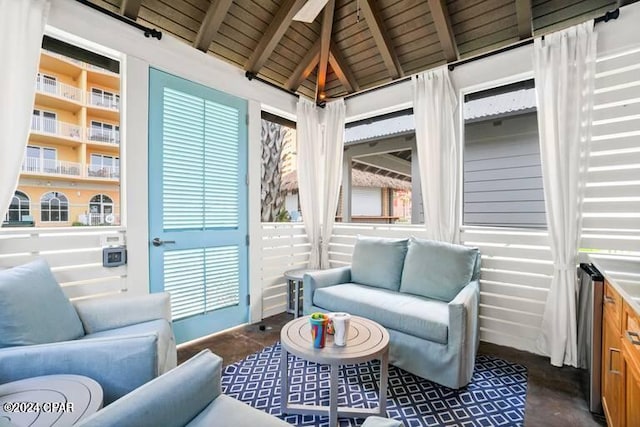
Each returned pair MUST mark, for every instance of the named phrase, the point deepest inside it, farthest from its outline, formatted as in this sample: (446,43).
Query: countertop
(624,276)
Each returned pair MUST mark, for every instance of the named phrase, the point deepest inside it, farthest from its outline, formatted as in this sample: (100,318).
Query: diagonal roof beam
(272,36)
(381,37)
(305,67)
(442,21)
(325,43)
(211,23)
(523,13)
(130,8)
(342,70)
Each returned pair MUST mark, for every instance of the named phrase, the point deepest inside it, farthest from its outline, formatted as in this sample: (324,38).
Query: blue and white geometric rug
(495,396)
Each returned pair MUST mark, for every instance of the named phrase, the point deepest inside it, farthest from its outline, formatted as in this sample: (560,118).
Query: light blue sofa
(190,395)
(121,342)
(425,293)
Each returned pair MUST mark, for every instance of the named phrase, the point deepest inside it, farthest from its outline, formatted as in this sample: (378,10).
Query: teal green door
(198,204)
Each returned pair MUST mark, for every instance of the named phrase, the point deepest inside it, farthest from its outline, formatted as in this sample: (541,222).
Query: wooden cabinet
(620,361)
(612,380)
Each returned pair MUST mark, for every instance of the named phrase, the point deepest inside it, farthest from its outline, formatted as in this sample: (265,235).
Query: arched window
(54,207)
(101,209)
(19,207)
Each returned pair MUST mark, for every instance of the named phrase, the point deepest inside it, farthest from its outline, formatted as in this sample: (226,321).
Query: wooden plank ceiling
(352,44)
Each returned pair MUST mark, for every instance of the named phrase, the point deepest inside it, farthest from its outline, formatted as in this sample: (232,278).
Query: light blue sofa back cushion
(33,308)
(378,262)
(437,270)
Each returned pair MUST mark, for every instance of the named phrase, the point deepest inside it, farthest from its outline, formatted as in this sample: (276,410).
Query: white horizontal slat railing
(284,247)
(515,277)
(75,257)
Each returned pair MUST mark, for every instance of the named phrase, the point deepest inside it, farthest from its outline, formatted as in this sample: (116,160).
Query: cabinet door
(612,384)
(632,394)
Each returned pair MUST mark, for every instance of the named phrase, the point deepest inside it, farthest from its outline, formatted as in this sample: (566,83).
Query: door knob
(158,242)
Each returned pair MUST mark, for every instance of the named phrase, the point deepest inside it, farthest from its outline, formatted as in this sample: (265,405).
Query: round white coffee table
(367,341)
(50,400)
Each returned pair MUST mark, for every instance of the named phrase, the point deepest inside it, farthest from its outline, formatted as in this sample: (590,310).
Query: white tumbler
(341,326)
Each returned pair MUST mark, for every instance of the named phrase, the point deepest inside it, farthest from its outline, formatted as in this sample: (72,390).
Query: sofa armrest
(99,314)
(172,399)
(463,323)
(322,279)
(118,364)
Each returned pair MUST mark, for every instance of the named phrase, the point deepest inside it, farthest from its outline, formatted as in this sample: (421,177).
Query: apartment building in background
(71,171)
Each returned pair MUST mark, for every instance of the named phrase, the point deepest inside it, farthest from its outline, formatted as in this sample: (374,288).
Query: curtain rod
(614,14)
(253,76)
(148,32)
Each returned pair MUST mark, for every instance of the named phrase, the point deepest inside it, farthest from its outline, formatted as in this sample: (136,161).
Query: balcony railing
(99,219)
(104,101)
(108,136)
(48,166)
(54,127)
(98,171)
(55,88)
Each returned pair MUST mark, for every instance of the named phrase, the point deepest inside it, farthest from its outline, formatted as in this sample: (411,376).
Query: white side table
(294,289)
(50,400)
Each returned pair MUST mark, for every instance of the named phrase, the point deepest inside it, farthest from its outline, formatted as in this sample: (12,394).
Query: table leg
(333,396)
(284,380)
(296,304)
(384,379)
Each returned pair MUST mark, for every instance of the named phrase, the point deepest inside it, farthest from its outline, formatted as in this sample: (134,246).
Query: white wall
(176,57)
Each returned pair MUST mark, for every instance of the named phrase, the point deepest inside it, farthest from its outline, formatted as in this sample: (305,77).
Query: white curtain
(564,66)
(21,28)
(308,135)
(434,105)
(320,148)
(333,145)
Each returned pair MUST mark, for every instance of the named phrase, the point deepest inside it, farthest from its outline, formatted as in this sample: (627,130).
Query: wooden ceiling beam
(342,70)
(381,37)
(442,21)
(272,36)
(211,24)
(130,8)
(523,13)
(325,43)
(305,67)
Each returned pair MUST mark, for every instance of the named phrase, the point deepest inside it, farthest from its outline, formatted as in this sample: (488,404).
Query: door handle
(609,300)
(611,370)
(158,242)
(633,337)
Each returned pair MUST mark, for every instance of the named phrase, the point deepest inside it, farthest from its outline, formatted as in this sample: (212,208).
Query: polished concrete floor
(555,396)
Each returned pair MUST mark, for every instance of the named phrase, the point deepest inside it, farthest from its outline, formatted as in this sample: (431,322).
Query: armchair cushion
(378,262)
(437,270)
(33,308)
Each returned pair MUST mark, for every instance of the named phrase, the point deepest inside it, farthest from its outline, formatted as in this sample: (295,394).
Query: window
(502,172)
(44,121)
(279,195)
(101,210)
(103,98)
(104,166)
(54,207)
(40,159)
(104,132)
(19,208)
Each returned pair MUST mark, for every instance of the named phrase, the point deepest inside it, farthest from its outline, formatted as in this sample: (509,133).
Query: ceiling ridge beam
(381,37)
(270,39)
(524,15)
(325,44)
(342,69)
(130,8)
(305,67)
(442,21)
(211,24)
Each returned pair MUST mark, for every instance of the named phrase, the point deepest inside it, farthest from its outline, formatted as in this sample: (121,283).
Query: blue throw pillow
(378,262)
(33,308)
(437,270)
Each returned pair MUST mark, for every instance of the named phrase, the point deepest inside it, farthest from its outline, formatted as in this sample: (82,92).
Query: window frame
(63,207)
(20,203)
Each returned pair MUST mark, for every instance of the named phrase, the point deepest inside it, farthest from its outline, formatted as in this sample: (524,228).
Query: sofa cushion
(33,308)
(228,411)
(437,269)
(378,262)
(161,328)
(413,315)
